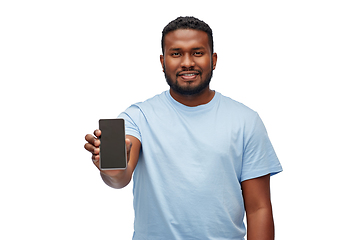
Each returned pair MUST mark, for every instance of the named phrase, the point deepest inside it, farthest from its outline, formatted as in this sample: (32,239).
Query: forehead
(186,38)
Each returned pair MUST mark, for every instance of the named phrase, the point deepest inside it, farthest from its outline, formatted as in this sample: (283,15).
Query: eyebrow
(174,49)
(198,48)
(177,49)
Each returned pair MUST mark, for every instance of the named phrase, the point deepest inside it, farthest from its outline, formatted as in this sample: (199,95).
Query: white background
(65,64)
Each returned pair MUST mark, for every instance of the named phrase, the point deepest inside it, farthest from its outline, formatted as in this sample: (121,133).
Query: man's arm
(260,223)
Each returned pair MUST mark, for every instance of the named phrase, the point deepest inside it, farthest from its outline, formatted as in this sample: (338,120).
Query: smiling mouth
(188,75)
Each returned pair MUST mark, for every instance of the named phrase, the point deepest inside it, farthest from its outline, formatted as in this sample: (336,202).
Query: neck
(201,98)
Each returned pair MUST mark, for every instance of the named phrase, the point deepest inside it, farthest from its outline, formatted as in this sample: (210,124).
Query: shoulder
(150,103)
(236,108)
(148,109)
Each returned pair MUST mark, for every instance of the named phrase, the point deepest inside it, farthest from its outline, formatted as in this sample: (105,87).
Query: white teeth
(189,74)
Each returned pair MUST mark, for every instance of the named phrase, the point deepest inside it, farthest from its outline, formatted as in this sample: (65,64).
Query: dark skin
(187,52)
(187,62)
(256,194)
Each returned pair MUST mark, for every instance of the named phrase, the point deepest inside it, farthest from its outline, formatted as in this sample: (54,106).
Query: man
(199,160)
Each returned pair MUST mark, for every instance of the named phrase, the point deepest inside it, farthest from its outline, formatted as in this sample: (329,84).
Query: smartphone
(112,144)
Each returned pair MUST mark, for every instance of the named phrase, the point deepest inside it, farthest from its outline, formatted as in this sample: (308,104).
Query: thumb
(128,147)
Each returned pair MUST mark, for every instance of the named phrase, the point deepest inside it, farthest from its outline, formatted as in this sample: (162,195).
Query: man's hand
(92,145)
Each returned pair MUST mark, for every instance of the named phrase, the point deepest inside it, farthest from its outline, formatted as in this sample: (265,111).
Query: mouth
(188,75)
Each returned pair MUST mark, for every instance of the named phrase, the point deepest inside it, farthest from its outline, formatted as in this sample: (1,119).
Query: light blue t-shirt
(192,160)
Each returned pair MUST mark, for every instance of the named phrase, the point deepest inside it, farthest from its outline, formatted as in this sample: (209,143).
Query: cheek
(204,64)
(171,66)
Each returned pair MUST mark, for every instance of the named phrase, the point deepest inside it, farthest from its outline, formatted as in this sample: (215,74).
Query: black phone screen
(112,144)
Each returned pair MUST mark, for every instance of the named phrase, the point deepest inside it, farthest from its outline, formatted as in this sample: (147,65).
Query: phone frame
(122,129)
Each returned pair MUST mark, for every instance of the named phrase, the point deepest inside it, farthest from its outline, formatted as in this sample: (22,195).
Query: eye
(175,54)
(198,54)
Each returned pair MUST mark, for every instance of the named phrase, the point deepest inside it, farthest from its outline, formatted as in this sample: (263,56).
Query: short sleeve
(259,157)
(131,117)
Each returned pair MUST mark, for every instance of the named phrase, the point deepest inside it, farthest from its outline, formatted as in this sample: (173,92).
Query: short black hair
(188,23)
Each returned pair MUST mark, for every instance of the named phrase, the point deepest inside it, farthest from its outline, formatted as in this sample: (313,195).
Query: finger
(92,149)
(96,161)
(128,144)
(97,133)
(95,158)
(128,148)
(89,147)
(92,140)
(96,143)
(96,151)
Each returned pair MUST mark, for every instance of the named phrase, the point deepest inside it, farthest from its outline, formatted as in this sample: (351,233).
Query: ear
(162,62)
(214,60)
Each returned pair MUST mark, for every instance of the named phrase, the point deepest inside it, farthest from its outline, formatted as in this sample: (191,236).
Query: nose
(187,61)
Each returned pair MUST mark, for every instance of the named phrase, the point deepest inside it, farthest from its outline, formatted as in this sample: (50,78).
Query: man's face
(187,61)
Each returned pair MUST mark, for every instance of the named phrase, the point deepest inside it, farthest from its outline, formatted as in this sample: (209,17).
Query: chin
(190,90)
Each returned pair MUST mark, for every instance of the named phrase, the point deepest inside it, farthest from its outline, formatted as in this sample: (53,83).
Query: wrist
(114,179)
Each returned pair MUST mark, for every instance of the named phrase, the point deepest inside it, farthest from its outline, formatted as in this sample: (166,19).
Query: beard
(188,90)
